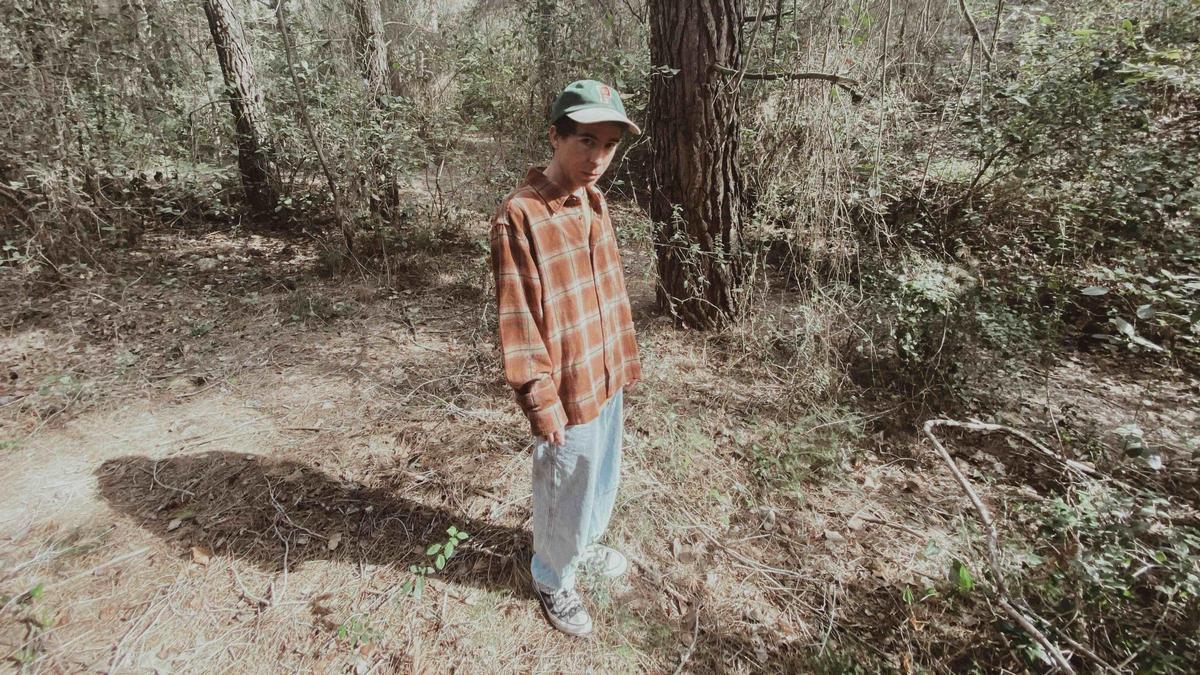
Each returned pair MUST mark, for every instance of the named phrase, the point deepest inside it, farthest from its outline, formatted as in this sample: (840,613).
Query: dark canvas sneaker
(565,611)
(605,561)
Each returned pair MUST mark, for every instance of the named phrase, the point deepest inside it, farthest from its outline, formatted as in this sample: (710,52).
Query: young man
(566,332)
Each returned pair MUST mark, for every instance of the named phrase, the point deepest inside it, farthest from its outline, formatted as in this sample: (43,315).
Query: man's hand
(556,437)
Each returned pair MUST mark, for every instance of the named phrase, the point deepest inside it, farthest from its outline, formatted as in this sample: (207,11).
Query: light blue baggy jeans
(574,489)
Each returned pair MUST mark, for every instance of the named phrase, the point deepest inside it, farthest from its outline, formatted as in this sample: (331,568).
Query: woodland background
(251,400)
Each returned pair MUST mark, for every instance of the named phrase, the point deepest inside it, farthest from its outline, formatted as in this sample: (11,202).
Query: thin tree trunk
(145,22)
(696,187)
(260,179)
(381,186)
(546,58)
(372,47)
(339,210)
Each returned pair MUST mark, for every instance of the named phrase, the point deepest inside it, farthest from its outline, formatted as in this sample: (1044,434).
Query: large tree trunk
(260,180)
(696,188)
(372,47)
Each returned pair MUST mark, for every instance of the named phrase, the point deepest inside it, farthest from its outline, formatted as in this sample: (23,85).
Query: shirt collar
(556,195)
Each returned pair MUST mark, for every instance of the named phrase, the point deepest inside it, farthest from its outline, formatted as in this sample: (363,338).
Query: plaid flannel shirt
(566,329)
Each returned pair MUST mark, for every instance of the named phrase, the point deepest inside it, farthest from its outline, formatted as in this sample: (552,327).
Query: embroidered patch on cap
(605,93)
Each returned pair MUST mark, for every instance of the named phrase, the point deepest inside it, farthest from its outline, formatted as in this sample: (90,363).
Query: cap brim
(593,115)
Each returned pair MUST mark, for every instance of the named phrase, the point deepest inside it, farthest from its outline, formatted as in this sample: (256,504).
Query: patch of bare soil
(216,460)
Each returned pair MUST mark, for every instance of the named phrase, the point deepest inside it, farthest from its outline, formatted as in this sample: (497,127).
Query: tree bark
(260,178)
(695,185)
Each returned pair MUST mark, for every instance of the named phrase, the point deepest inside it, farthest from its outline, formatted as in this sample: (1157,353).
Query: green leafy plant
(1129,566)
(439,554)
(786,456)
(358,631)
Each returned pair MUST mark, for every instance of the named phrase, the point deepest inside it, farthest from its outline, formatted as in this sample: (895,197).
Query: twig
(659,580)
(746,561)
(154,477)
(302,107)
(97,568)
(832,617)
(201,391)
(261,602)
(996,27)
(695,639)
(898,526)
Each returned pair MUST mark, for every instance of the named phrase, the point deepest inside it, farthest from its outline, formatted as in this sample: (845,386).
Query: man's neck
(555,175)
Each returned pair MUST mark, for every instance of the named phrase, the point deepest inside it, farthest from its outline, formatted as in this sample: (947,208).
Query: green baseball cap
(589,101)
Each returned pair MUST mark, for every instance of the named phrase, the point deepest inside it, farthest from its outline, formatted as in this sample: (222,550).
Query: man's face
(585,155)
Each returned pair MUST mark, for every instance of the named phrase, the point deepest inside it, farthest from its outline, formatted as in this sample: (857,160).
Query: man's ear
(553,137)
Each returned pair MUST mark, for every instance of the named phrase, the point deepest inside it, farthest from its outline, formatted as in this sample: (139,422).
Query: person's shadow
(276,513)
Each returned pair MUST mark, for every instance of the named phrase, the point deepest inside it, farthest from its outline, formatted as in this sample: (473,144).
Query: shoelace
(598,557)
(564,604)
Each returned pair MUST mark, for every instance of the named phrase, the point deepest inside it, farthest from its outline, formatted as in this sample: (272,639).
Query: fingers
(555,437)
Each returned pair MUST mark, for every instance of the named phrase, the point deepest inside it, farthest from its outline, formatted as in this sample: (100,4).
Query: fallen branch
(1073,465)
(1022,618)
(985,517)
(849,84)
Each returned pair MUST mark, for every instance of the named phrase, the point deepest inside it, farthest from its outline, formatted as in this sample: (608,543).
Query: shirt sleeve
(527,364)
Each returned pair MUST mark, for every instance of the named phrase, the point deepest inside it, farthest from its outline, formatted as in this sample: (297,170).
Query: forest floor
(215,459)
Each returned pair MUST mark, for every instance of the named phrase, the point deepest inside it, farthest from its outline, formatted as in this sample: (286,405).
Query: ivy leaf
(1143,342)
(1124,327)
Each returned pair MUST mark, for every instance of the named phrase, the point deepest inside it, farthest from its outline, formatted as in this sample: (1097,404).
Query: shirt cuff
(546,421)
(543,407)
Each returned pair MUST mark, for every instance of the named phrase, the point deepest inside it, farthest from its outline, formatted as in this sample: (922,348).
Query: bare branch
(987,53)
(846,83)
(765,17)
(1006,604)
(993,545)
